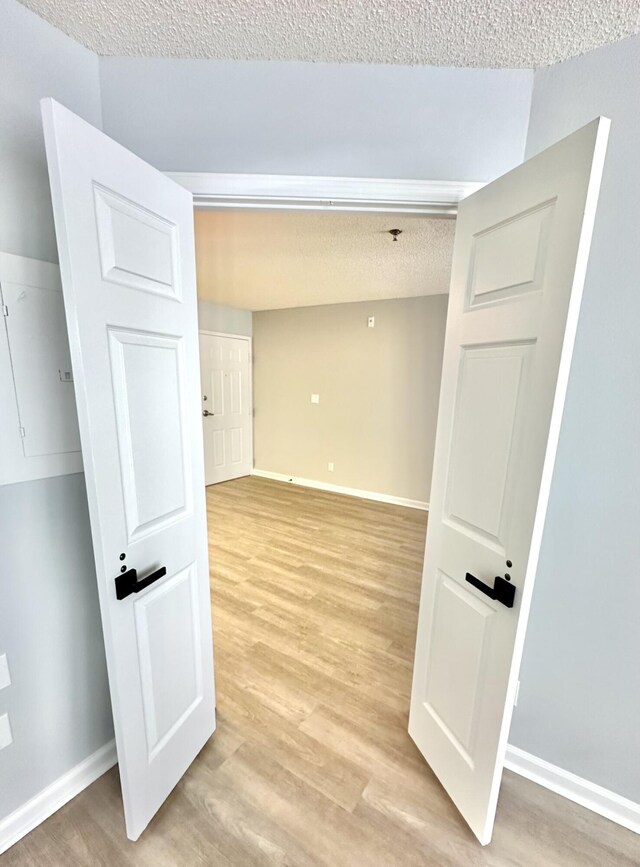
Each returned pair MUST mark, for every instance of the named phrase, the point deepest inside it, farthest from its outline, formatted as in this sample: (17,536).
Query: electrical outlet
(330,466)
(5,677)
(315,398)
(6,737)
(371,322)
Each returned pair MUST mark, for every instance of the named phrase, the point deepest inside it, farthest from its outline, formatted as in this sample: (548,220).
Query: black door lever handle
(128,582)
(502,591)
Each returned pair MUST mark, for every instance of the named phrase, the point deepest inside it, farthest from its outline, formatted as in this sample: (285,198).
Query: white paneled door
(125,240)
(519,263)
(225,373)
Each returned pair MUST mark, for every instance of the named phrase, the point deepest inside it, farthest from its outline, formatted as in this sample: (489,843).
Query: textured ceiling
(492,33)
(262,260)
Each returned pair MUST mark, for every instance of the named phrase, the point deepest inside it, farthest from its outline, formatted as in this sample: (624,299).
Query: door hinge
(22,432)
(5,310)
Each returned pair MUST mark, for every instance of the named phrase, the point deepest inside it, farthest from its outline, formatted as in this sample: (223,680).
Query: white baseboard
(56,795)
(583,792)
(340,489)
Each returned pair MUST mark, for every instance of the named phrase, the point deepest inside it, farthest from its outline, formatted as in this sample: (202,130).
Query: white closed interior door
(518,269)
(225,370)
(125,239)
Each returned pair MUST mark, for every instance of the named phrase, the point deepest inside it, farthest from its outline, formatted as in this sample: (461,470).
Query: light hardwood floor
(314,604)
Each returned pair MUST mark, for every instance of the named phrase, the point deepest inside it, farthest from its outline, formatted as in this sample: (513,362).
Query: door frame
(217,190)
(250,342)
(319,193)
(255,192)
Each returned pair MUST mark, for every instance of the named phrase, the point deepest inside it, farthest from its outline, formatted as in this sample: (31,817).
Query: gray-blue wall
(579,702)
(50,628)
(348,120)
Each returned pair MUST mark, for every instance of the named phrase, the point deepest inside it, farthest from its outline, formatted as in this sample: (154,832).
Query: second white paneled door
(225,371)
(519,262)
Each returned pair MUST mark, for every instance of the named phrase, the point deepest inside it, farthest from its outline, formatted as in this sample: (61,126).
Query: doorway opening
(346,313)
(344,317)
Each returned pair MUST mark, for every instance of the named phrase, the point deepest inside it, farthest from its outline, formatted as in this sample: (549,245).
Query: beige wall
(378,389)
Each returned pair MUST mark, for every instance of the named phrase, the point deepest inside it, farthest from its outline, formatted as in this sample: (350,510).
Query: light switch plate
(330,466)
(5,676)
(371,322)
(6,737)
(315,398)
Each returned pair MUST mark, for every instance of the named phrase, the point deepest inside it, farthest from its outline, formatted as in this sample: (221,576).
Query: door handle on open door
(502,590)
(205,413)
(128,582)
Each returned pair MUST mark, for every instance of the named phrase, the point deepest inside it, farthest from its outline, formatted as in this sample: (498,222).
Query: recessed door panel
(147,382)
(508,259)
(168,632)
(487,421)
(235,391)
(217,392)
(219,453)
(456,612)
(138,249)
(236,445)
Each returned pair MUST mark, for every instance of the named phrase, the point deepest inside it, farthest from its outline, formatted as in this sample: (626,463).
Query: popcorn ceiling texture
(264,260)
(485,33)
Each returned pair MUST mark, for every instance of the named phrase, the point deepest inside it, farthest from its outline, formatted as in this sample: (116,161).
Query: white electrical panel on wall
(39,426)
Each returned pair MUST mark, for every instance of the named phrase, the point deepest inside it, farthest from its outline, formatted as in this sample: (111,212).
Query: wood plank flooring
(315,606)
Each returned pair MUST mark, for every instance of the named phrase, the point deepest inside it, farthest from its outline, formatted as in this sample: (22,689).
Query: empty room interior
(340,318)
(340,396)
(318,434)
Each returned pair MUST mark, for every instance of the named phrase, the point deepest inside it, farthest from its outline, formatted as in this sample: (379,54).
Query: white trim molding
(225,334)
(14,826)
(581,791)
(299,192)
(340,489)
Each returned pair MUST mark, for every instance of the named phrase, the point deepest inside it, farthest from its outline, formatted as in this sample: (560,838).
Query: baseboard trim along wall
(577,789)
(56,795)
(340,489)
